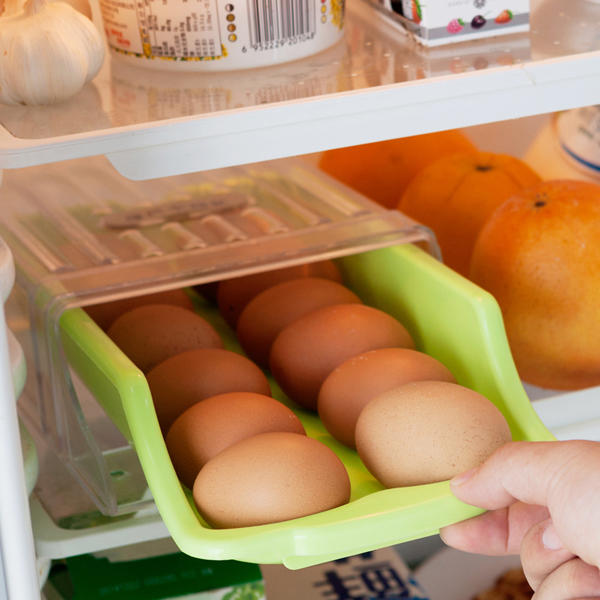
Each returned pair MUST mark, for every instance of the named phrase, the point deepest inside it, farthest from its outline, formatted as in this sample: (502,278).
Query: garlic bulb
(9,7)
(83,6)
(48,52)
(12,7)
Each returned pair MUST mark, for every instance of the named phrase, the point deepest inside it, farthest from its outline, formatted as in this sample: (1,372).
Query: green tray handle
(451,319)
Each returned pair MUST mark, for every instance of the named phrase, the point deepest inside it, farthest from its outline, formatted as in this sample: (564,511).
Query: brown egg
(349,387)
(182,380)
(427,431)
(152,333)
(268,478)
(308,349)
(218,422)
(105,314)
(234,294)
(274,309)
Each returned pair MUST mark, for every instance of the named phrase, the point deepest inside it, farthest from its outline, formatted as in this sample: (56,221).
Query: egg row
(357,367)
(204,418)
(328,352)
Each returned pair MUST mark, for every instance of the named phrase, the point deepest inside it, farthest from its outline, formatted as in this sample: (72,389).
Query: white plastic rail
(16,537)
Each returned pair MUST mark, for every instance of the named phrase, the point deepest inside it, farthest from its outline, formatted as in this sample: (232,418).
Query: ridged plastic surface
(81,234)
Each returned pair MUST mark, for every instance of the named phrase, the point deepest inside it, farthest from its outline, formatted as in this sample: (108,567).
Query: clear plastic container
(81,234)
(218,35)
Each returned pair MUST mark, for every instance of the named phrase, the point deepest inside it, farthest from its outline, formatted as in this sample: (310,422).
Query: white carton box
(369,576)
(437,22)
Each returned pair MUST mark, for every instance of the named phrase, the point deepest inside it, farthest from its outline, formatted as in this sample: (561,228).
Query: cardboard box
(437,22)
(369,576)
(153,571)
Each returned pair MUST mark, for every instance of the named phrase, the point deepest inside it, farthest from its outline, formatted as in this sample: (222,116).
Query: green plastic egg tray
(449,318)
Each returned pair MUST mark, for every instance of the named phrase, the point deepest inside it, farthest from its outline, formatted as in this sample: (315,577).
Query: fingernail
(463,477)
(550,538)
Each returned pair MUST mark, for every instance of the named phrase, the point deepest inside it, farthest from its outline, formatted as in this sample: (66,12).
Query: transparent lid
(82,234)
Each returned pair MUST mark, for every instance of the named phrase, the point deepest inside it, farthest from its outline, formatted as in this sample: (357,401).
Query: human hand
(544,503)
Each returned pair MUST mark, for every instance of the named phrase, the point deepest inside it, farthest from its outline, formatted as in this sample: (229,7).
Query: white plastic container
(568,147)
(219,35)
(439,22)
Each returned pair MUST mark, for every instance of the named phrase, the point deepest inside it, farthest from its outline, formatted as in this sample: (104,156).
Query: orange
(382,170)
(456,194)
(539,255)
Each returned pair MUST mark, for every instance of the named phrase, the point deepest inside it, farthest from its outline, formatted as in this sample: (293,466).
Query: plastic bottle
(568,146)
(219,35)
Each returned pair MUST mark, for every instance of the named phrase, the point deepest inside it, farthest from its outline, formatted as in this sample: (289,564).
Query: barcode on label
(276,22)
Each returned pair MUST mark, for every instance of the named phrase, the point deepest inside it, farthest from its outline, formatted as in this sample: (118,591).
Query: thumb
(560,476)
(532,472)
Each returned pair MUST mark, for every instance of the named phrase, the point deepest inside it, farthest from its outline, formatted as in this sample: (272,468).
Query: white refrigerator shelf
(376,84)
(569,415)
(54,542)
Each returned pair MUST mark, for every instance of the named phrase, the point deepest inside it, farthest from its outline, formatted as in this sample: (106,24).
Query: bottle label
(146,27)
(200,30)
(579,136)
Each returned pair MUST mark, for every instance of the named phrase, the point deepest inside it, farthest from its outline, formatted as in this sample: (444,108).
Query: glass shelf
(377,83)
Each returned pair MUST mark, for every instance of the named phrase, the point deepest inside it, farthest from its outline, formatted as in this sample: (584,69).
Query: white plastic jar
(218,35)
(568,147)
